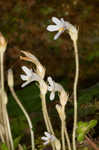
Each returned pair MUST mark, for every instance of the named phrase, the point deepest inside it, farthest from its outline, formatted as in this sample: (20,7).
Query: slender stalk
(2,71)
(9,130)
(67,139)
(46,117)
(2,105)
(75,93)
(62,134)
(44,114)
(8,135)
(65,130)
(1,136)
(26,115)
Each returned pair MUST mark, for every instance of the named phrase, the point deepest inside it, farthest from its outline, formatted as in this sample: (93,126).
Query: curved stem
(75,93)
(26,115)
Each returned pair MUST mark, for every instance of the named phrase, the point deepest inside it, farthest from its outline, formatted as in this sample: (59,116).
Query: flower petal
(50,81)
(52,28)
(56,20)
(45,143)
(25,83)
(52,96)
(24,77)
(26,70)
(44,138)
(57,35)
(49,88)
(47,134)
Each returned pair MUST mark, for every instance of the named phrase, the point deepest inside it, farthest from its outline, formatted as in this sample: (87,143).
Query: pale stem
(75,93)
(2,106)
(26,115)
(46,117)
(62,134)
(9,129)
(2,71)
(1,136)
(43,111)
(67,139)
(46,113)
(8,134)
(5,126)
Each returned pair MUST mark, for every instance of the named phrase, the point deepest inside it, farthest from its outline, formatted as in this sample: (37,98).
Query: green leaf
(4,147)
(80,137)
(92,123)
(16,141)
(84,128)
(24,147)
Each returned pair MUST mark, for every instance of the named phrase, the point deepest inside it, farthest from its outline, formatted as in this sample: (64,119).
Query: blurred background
(24,23)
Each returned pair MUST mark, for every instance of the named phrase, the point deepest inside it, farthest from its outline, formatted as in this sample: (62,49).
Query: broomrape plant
(37,74)
(61,26)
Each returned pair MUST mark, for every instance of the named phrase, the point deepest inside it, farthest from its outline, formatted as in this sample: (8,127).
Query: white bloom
(29,77)
(48,138)
(40,70)
(60,26)
(53,87)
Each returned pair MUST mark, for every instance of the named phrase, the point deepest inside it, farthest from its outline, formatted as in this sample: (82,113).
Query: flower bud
(3,96)
(60,111)
(3,43)
(10,78)
(63,97)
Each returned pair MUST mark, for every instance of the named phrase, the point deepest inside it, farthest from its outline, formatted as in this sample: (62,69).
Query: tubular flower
(29,77)
(40,70)
(48,138)
(53,87)
(60,26)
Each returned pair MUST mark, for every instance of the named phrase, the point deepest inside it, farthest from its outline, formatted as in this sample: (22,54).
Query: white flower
(48,138)
(40,70)
(29,77)
(60,26)
(53,87)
